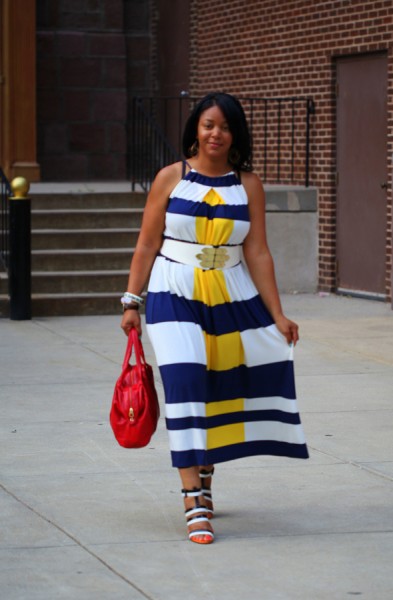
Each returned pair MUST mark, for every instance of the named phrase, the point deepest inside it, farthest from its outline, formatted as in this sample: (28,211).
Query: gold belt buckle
(213,258)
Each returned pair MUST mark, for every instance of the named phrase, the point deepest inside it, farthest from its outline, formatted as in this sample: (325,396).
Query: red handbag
(135,410)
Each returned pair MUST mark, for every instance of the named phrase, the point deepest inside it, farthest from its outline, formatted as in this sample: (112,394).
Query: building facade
(340,53)
(93,56)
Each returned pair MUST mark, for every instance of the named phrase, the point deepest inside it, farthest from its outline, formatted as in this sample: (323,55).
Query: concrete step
(76,304)
(45,305)
(64,282)
(84,282)
(118,218)
(3,283)
(4,306)
(83,238)
(82,245)
(81,260)
(59,201)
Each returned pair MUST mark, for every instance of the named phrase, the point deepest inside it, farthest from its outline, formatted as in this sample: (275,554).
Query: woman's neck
(210,168)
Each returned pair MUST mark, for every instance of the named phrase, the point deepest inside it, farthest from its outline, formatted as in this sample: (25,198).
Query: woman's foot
(200,530)
(206,475)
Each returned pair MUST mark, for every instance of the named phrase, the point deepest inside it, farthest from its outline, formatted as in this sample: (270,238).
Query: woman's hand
(288,328)
(131,318)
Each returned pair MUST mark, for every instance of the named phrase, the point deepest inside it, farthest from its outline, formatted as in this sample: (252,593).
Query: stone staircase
(82,244)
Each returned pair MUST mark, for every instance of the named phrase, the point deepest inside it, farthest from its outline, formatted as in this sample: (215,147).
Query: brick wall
(276,47)
(91,56)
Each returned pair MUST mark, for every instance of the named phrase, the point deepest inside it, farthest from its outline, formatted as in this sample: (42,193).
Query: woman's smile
(214,135)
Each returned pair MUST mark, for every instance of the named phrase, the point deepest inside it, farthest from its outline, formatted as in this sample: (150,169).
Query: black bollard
(20,251)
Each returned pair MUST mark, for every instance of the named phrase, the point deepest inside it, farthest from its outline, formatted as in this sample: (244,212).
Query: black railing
(151,148)
(280,128)
(5,191)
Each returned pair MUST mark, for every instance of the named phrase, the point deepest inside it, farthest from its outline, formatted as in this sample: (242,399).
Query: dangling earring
(234,156)
(193,150)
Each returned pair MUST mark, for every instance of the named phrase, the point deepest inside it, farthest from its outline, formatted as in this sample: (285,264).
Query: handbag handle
(134,342)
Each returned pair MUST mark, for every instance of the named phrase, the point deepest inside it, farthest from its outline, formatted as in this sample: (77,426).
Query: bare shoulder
(169,176)
(252,184)
(164,183)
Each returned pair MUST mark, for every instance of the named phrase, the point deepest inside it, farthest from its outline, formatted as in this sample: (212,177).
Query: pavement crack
(71,341)
(353,463)
(71,537)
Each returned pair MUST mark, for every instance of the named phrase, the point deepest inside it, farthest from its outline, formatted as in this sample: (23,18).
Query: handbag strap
(134,342)
(139,353)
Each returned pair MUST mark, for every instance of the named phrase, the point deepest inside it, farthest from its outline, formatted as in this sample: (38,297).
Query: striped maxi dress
(227,371)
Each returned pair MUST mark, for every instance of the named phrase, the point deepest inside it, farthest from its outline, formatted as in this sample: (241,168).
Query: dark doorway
(362,174)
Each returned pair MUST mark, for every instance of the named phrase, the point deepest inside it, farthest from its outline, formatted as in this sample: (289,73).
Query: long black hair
(240,153)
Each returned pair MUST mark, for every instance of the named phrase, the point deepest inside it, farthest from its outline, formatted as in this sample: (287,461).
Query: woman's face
(213,134)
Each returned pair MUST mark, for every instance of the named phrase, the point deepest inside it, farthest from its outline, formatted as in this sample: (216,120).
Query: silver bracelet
(129,298)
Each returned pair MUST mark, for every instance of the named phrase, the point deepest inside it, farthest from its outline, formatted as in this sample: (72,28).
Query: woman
(213,313)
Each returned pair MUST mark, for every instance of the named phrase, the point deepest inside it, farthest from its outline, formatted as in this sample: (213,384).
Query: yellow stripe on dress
(210,287)
(226,435)
(224,407)
(213,231)
(224,352)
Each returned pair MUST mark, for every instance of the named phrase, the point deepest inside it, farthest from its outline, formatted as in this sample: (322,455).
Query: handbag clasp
(131,415)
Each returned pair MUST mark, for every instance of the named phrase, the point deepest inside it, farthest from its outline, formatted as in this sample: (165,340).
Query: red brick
(54,168)
(138,47)
(107,166)
(76,105)
(117,137)
(89,138)
(47,73)
(49,105)
(81,72)
(114,14)
(82,21)
(114,73)
(46,43)
(110,106)
(106,44)
(55,139)
(71,43)
(80,6)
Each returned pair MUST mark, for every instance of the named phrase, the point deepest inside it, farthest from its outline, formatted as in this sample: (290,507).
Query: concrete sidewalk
(82,518)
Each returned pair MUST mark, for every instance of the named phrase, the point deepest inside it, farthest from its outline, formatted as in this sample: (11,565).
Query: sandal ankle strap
(198,510)
(200,519)
(194,493)
(204,473)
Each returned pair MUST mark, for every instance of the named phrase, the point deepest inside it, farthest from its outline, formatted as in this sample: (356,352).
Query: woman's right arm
(150,239)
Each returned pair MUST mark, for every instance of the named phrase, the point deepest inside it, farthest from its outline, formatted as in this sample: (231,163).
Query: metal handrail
(280,128)
(150,147)
(5,192)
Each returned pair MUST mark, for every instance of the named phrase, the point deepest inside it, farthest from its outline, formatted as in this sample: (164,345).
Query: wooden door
(362,174)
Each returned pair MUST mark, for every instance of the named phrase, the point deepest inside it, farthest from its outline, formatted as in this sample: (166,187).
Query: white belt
(200,255)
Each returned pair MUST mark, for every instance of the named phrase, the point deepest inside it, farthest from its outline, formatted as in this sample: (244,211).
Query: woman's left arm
(259,260)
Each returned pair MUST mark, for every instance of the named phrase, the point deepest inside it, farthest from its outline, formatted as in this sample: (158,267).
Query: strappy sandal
(206,491)
(197,515)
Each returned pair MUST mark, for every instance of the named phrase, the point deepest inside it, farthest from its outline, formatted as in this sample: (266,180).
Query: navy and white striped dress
(226,369)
